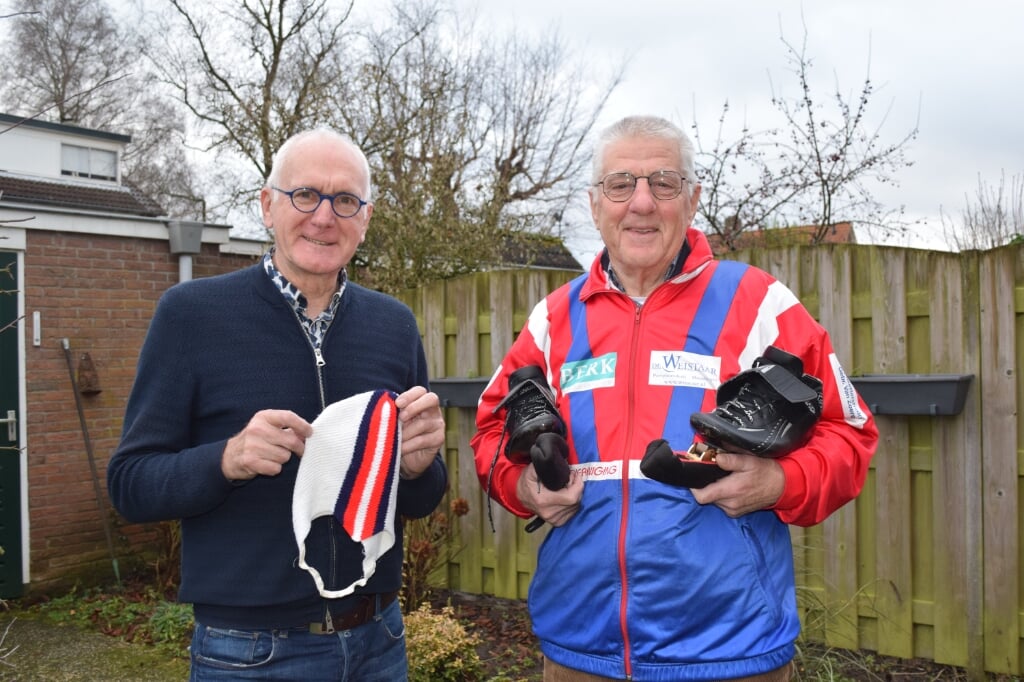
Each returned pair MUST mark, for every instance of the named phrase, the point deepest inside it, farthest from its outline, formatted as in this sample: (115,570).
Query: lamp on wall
(88,379)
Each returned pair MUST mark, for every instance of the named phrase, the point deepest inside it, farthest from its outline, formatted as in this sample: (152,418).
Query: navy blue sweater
(219,350)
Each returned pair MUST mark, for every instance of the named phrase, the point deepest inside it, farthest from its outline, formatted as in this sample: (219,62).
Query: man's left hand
(756,483)
(419,412)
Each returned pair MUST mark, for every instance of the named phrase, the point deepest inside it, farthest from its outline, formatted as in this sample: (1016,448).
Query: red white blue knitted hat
(350,469)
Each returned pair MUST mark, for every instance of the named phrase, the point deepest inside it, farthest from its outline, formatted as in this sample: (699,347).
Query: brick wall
(99,293)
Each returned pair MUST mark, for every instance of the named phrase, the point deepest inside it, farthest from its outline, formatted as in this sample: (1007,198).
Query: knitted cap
(350,469)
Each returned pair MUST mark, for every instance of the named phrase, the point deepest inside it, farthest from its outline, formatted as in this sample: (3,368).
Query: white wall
(29,151)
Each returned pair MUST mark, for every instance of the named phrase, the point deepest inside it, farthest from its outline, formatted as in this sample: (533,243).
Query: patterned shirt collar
(314,328)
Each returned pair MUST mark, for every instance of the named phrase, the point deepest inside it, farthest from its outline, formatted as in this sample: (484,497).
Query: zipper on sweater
(332,545)
(318,359)
(627,650)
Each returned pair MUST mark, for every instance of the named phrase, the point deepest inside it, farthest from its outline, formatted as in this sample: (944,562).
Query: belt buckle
(323,628)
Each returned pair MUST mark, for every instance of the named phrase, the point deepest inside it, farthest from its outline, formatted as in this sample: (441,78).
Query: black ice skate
(767,410)
(535,432)
(530,412)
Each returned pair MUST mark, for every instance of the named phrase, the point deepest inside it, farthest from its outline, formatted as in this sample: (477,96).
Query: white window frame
(88,162)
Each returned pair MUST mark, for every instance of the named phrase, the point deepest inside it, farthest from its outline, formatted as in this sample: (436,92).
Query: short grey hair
(326,135)
(645,126)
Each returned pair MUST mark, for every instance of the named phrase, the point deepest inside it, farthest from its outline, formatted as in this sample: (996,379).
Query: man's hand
(422,420)
(554,506)
(756,483)
(264,445)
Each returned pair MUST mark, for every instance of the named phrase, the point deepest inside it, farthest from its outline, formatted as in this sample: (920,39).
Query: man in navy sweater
(233,371)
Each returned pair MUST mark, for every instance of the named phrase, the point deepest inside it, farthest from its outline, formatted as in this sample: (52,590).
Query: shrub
(142,617)
(430,543)
(171,627)
(439,647)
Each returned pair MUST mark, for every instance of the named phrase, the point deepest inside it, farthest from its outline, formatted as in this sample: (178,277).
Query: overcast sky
(954,69)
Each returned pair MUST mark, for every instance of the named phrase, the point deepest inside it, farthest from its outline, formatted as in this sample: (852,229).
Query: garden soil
(37,649)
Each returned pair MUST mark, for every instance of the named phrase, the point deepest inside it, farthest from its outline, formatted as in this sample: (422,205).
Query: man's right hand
(264,445)
(554,506)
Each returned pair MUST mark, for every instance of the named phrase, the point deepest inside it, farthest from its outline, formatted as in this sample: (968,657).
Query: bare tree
(247,95)
(469,138)
(157,160)
(413,108)
(817,168)
(472,141)
(70,62)
(833,160)
(58,53)
(741,187)
(994,217)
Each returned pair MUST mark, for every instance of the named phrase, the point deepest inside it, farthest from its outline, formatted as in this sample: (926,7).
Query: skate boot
(767,410)
(535,432)
(530,412)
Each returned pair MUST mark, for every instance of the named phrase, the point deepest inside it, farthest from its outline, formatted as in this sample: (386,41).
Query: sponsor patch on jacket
(586,375)
(608,471)
(680,368)
(847,395)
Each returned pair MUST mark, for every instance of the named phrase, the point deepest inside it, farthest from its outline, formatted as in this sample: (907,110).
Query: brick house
(83,260)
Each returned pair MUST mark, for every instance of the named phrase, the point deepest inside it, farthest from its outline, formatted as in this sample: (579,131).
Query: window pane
(103,164)
(74,160)
(88,163)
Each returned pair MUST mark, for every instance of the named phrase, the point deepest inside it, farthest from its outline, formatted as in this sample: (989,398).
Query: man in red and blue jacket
(638,579)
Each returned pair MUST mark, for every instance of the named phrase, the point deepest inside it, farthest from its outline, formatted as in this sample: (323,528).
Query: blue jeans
(372,652)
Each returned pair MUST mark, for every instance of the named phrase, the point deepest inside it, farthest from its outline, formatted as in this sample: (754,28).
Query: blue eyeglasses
(308,200)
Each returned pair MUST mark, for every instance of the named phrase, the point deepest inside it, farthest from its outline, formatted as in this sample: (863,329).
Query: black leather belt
(356,611)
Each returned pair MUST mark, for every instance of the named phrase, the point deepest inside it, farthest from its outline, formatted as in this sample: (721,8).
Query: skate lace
(490,474)
(748,408)
(530,404)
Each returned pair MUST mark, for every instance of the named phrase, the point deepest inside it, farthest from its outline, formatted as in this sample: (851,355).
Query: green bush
(439,647)
(142,617)
(171,626)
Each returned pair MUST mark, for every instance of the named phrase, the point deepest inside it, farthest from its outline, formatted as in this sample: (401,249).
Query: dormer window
(88,162)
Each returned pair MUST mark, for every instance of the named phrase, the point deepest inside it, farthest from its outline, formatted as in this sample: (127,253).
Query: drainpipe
(186,239)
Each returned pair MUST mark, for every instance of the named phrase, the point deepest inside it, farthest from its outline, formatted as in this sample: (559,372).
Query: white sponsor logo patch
(679,368)
(607,471)
(847,394)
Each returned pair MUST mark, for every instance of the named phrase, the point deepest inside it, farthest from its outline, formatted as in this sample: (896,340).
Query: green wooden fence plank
(1000,474)
(951,460)
(894,588)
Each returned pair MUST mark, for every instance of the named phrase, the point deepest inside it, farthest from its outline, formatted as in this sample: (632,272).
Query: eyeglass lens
(344,204)
(664,185)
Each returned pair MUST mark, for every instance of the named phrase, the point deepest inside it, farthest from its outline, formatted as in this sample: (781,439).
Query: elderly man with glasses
(660,566)
(233,373)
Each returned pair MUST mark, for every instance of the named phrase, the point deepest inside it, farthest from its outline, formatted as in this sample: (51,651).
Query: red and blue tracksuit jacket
(644,583)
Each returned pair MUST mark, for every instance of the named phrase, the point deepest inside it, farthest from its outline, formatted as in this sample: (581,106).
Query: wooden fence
(927,561)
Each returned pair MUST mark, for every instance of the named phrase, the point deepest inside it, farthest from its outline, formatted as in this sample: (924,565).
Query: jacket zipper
(624,523)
